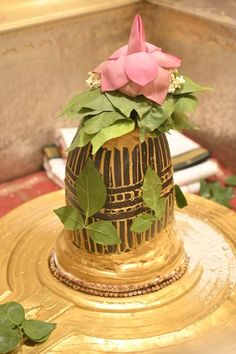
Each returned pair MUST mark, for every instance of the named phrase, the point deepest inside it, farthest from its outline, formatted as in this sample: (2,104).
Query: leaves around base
(37,330)
(9,339)
(90,189)
(231,181)
(14,328)
(152,186)
(180,198)
(103,232)
(217,192)
(91,195)
(142,222)
(70,217)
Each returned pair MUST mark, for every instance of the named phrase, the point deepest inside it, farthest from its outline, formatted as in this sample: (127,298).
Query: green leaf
(181,121)
(168,106)
(103,232)
(9,339)
(152,119)
(113,131)
(231,180)
(205,189)
(70,217)
(121,102)
(100,121)
(37,330)
(142,105)
(221,194)
(90,189)
(12,311)
(180,198)
(88,112)
(166,126)
(41,340)
(142,223)
(161,208)
(101,103)
(190,86)
(142,134)
(152,189)
(216,192)
(79,100)
(155,117)
(186,104)
(80,139)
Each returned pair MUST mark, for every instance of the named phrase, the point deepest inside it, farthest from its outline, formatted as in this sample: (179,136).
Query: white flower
(93,81)
(176,81)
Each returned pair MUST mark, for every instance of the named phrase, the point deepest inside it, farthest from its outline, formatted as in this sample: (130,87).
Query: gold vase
(142,262)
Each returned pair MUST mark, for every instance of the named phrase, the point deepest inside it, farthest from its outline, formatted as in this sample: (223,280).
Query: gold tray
(195,315)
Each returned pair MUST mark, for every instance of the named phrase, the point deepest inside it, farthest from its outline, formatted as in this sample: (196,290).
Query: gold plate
(195,315)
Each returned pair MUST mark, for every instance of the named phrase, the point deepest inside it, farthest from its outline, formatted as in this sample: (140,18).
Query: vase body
(123,169)
(140,257)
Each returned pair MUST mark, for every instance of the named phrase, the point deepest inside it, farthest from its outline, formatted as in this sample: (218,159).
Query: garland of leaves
(15,328)
(91,195)
(108,115)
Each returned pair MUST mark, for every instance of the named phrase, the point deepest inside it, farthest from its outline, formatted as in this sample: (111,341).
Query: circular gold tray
(195,315)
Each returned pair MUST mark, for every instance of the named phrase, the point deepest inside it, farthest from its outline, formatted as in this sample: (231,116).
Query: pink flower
(139,68)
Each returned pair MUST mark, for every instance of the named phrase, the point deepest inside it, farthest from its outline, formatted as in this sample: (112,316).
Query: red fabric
(21,190)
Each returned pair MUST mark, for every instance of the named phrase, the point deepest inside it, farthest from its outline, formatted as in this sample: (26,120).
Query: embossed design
(123,172)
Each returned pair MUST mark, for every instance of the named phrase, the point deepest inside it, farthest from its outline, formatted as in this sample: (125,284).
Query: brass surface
(195,315)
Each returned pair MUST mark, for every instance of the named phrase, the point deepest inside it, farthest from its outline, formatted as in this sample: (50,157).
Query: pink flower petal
(141,68)
(157,89)
(113,74)
(151,47)
(124,50)
(119,52)
(131,89)
(137,37)
(167,60)
(99,68)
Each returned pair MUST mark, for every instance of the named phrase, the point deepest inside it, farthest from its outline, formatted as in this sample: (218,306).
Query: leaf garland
(14,328)
(190,86)
(113,131)
(106,115)
(91,194)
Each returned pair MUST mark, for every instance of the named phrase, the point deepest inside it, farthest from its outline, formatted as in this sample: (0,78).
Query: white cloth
(55,169)
(196,173)
(179,144)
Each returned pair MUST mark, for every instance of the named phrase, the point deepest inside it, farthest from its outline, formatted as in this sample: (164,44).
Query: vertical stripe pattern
(123,172)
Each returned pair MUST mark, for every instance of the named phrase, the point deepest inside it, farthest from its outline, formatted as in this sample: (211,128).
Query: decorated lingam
(119,235)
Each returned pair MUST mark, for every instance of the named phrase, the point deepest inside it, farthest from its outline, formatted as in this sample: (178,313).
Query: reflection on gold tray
(195,315)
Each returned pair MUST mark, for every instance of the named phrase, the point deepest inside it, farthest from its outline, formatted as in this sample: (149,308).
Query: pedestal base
(194,315)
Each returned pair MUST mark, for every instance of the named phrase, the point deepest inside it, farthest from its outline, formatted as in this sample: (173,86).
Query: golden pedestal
(194,315)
